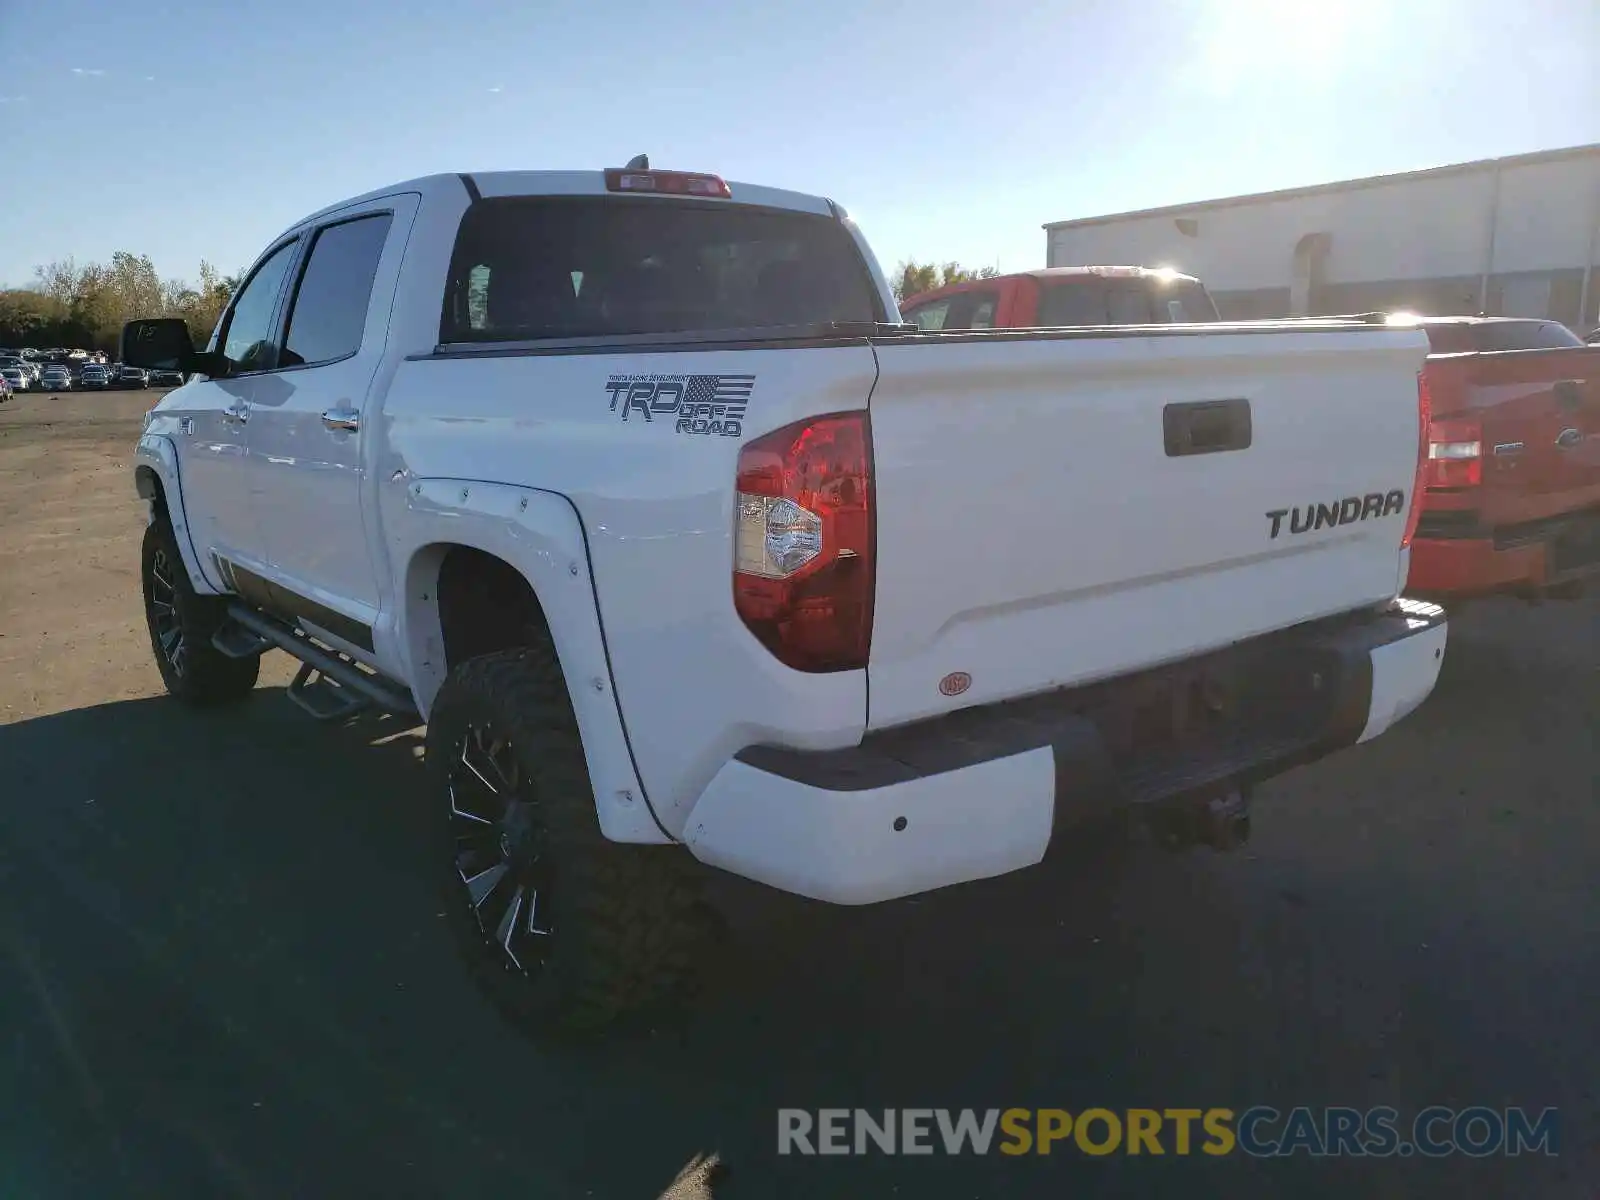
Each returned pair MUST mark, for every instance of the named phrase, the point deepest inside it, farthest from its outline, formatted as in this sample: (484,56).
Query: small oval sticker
(955,683)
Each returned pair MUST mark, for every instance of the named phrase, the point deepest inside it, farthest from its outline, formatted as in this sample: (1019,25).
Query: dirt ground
(222,971)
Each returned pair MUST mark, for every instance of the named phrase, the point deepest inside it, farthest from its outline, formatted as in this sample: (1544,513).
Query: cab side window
(247,339)
(329,311)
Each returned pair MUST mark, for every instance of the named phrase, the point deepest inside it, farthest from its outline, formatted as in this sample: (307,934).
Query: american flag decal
(702,405)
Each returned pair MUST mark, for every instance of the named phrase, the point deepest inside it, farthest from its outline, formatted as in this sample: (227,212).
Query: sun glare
(1243,41)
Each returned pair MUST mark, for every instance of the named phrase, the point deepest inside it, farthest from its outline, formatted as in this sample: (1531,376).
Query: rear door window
(531,268)
(329,310)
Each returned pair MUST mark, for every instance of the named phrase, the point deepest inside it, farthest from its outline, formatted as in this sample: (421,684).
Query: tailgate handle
(1206,427)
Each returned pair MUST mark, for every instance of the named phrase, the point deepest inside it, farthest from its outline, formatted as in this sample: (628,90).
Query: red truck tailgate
(1537,413)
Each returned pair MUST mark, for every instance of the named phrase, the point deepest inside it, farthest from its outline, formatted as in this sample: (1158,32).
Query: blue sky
(950,129)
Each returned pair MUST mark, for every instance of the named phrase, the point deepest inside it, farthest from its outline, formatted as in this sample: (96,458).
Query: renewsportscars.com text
(1260,1131)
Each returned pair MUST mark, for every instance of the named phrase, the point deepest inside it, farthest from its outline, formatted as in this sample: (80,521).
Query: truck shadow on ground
(226,974)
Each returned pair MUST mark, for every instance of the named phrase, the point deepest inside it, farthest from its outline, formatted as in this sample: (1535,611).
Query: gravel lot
(222,971)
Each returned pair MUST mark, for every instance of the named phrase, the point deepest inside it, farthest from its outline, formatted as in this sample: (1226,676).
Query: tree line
(912,278)
(85,307)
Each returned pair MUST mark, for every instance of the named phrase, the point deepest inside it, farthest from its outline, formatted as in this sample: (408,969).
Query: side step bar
(236,641)
(323,697)
(329,686)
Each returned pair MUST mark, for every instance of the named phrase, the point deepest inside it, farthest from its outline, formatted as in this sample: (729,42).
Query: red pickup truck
(1064,296)
(1512,499)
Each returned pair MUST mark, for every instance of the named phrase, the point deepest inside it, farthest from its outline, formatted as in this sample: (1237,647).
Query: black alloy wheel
(501,851)
(165,621)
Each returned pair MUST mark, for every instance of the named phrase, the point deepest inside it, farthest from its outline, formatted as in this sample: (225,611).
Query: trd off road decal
(700,404)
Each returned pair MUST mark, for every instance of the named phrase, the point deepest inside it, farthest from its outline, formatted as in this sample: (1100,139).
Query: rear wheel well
(485,606)
(149,486)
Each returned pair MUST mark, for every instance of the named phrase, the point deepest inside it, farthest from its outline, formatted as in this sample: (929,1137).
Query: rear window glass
(565,268)
(1525,335)
(1078,302)
(1095,300)
(1449,338)
(1128,303)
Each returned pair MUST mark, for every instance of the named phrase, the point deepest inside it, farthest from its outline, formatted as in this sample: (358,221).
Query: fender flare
(540,536)
(155,476)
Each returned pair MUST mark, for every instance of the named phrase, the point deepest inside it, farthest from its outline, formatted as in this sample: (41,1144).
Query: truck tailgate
(1539,412)
(1054,508)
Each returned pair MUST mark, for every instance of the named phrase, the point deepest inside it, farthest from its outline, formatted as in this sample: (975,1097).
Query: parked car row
(22,377)
(66,370)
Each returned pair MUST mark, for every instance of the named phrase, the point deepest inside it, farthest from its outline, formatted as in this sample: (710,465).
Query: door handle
(344,419)
(1569,392)
(1206,427)
(239,412)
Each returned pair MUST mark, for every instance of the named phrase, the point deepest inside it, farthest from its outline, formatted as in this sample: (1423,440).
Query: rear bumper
(1517,559)
(985,791)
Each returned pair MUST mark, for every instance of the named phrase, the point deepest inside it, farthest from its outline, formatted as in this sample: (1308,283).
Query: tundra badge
(1340,512)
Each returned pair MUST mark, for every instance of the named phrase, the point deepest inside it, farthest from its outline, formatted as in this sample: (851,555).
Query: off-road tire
(202,676)
(628,928)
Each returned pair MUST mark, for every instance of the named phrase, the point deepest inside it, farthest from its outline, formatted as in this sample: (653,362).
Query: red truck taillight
(803,567)
(1455,454)
(1424,424)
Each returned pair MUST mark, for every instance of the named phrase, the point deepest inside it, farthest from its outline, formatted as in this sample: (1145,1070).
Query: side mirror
(157,345)
(162,344)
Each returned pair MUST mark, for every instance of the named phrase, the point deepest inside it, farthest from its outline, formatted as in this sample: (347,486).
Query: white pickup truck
(633,485)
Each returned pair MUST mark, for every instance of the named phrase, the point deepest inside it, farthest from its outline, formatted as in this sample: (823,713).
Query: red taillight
(1455,454)
(803,530)
(1424,421)
(668,183)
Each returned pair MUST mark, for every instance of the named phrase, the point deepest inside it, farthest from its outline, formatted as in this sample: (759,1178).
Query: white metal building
(1509,236)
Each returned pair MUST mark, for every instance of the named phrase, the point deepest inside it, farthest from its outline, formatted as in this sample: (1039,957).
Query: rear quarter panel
(656,504)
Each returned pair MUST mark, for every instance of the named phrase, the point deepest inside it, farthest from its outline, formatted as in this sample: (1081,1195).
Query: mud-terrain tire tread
(629,927)
(211,679)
